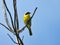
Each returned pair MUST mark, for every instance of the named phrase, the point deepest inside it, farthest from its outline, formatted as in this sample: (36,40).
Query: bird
(26,17)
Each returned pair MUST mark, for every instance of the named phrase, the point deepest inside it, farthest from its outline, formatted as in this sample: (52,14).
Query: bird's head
(27,13)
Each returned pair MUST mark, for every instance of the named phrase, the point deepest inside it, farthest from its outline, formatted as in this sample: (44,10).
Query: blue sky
(45,23)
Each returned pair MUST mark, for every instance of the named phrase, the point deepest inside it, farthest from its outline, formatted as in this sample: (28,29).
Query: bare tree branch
(8,12)
(7,28)
(19,40)
(33,13)
(5,16)
(16,22)
(12,39)
(22,29)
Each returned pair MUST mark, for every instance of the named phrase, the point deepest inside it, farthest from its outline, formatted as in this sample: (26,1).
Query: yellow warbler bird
(26,18)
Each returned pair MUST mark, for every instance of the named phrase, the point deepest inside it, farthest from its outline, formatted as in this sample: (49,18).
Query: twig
(8,12)
(5,15)
(33,13)
(12,39)
(7,28)
(19,40)
(16,22)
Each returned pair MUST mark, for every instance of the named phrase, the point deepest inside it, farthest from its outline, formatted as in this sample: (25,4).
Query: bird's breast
(26,18)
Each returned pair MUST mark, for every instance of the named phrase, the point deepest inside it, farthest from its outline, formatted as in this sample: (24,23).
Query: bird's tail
(30,32)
